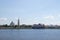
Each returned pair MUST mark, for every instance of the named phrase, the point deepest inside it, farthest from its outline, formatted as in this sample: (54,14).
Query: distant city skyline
(30,11)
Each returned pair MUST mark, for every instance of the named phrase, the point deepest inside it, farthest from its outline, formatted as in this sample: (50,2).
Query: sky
(30,11)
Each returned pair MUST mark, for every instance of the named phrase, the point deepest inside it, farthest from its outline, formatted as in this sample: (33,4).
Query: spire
(18,23)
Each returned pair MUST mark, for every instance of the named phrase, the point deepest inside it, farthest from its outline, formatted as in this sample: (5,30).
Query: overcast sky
(30,11)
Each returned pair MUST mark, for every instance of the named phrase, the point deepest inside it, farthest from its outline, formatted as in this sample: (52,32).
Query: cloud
(49,17)
(3,19)
(16,18)
(58,15)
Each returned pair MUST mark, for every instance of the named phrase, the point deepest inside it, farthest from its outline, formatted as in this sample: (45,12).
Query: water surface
(30,34)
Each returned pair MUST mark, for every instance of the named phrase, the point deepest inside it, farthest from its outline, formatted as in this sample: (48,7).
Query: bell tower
(18,23)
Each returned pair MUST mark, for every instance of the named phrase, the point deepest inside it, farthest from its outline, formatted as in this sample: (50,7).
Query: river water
(29,34)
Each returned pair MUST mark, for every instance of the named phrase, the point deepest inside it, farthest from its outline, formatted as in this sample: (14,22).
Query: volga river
(29,34)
